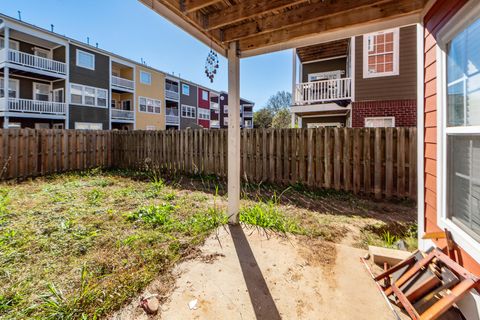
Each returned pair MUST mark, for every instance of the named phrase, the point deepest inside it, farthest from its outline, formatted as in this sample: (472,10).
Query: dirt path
(285,278)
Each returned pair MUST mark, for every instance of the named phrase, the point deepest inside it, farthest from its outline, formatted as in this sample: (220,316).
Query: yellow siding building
(149,99)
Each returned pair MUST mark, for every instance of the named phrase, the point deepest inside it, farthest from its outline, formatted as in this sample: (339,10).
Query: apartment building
(89,89)
(51,81)
(203,110)
(363,81)
(246,111)
(150,93)
(172,102)
(33,77)
(122,92)
(189,105)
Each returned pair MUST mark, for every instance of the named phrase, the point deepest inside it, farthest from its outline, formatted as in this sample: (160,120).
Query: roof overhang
(262,26)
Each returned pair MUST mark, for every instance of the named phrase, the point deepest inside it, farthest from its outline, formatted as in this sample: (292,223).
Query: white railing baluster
(34,106)
(32,61)
(323,91)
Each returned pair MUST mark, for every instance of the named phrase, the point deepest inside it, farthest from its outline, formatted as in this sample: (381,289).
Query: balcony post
(6,42)
(233,133)
(294,74)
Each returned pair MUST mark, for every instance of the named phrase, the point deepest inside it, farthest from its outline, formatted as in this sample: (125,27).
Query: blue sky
(128,28)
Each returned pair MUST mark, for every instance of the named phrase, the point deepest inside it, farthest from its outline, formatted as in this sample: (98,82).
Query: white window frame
(16,44)
(184,85)
(17,87)
(36,50)
(463,18)
(58,90)
(192,110)
(396,54)
(203,114)
(89,125)
(49,94)
(147,100)
(148,74)
(378,118)
(205,95)
(95,97)
(78,59)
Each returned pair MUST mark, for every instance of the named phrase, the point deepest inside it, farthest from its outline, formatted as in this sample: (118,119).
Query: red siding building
(203,108)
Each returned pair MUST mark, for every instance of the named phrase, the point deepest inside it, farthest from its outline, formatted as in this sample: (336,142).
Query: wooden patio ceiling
(258,25)
(323,50)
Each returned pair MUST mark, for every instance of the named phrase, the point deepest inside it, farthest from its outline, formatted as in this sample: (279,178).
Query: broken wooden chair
(427,285)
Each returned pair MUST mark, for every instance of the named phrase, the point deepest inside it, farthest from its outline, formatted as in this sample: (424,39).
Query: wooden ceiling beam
(301,15)
(194,5)
(376,13)
(246,9)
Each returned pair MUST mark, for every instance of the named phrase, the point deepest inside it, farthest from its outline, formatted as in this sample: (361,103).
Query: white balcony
(125,115)
(170,119)
(323,91)
(170,94)
(214,106)
(122,83)
(215,124)
(31,61)
(248,114)
(32,106)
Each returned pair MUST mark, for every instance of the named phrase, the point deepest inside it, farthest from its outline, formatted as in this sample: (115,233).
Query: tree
(282,119)
(263,118)
(279,101)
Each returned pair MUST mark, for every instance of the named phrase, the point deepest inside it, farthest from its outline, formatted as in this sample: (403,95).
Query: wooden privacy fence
(372,161)
(28,153)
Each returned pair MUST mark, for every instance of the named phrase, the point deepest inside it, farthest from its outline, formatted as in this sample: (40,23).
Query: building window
(13,86)
(225,109)
(381,54)
(85,60)
(76,94)
(149,105)
(113,104)
(145,77)
(101,97)
(88,126)
(42,53)
(379,122)
(462,130)
(204,95)
(188,111)
(88,96)
(12,44)
(203,114)
(126,104)
(41,91)
(225,121)
(185,89)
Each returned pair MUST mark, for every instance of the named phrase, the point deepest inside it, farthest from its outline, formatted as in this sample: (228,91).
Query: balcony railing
(119,114)
(214,106)
(32,61)
(248,114)
(170,119)
(123,83)
(214,124)
(323,91)
(170,94)
(32,106)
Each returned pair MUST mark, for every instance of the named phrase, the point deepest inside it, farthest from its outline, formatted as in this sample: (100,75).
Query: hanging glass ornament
(211,65)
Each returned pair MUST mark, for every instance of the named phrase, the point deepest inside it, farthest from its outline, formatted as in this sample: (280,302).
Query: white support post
(6,80)
(233,133)
(5,122)
(294,79)
(6,42)
(293,120)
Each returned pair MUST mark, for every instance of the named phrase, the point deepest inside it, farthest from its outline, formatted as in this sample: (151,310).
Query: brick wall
(404,111)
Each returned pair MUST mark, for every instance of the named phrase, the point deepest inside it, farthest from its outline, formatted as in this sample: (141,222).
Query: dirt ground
(243,273)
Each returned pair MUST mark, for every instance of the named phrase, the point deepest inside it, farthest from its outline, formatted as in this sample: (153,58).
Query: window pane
(85,60)
(143,104)
(101,98)
(76,94)
(464,182)
(145,77)
(463,77)
(42,92)
(89,96)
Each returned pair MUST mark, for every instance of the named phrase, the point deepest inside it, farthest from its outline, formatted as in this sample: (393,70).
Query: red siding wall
(404,111)
(204,104)
(439,14)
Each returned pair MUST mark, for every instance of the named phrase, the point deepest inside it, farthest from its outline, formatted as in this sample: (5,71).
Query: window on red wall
(204,95)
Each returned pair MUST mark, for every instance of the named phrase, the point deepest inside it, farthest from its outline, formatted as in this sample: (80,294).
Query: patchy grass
(79,245)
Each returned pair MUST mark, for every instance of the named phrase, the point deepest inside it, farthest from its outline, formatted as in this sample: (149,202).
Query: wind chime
(211,65)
